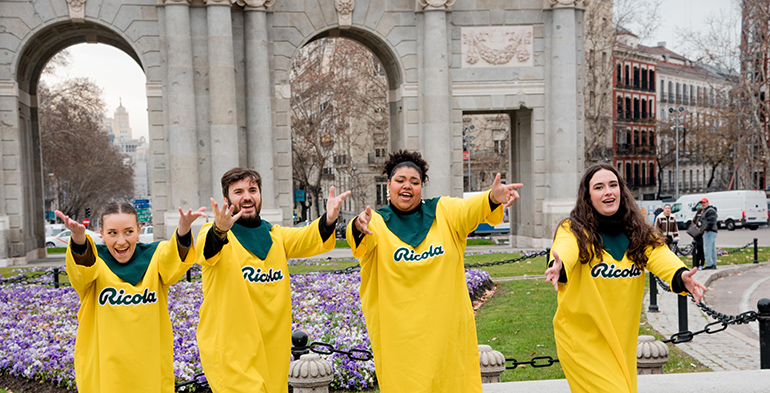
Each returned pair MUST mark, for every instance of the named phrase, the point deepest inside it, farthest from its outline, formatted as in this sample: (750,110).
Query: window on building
(620,169)
(652,81)
(620,107)
(636,108)
(691,183)
(684,94)
(381,190)
(644,175)
(629,177)
(653,175)
(644,108)
(670,91)
(618,75)
(644,79)
(636,77)
(670,181)
(628,107)
(628,76)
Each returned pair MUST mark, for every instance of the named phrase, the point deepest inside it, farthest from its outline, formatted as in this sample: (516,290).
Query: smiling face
(604,189)
(120,233)
(244,195)
(405,188)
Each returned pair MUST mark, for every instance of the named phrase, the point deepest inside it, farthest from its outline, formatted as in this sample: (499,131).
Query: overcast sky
(122,78)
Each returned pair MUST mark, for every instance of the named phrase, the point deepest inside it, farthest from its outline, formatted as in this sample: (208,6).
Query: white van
(734,208)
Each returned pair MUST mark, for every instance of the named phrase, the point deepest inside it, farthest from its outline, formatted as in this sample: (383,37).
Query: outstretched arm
(78,230)
(552,273)
(183,236)
(333,206)
(695,287)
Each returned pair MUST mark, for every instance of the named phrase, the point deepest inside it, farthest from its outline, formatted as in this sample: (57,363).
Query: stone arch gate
(218,93)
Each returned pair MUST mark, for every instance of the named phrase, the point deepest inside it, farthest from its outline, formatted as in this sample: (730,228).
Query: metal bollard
(756,260)
(189,276)
(299,347)
(56,277)
(653,295)
(683,325)
(763,305)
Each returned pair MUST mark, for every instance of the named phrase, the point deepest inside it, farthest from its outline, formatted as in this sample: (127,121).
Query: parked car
(145,235)
(739,208)
(61,239)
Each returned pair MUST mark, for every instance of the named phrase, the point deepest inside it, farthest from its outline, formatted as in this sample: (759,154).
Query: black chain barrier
(542,253)
(536,362)
(749,244)
(197,381)
(721,323)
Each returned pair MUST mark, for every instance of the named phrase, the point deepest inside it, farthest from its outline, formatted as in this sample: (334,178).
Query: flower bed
(38,324)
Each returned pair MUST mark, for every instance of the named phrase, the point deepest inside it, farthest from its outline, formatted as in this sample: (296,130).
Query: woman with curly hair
(600,254)
(413,290)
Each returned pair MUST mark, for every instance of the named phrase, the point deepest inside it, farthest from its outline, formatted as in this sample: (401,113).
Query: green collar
(133,270)
(256,240)
(616,245)
(411,228)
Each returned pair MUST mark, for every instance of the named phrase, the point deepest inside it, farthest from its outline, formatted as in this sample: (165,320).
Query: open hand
(333,205)
(186,220)
(78,230)
(553,272)
(504,193)
(362,221)
(695,287)
(224,218)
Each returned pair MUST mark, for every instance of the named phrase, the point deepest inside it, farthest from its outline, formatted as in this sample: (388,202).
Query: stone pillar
(651,355)
(259,120)
(435,97)
(492,364)
(222,105)
(564,108)
(310,374)
(182,138)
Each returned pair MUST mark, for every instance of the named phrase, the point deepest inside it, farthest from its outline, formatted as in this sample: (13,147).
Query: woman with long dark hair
(599,257)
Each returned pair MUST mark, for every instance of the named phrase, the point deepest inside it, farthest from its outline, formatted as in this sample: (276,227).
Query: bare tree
(605,23)
(337,87)
(80,166)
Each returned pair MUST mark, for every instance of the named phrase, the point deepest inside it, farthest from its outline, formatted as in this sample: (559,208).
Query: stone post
(224,129)
(492,364)
(182,138)
(435,96)
(564,131)
(259,120)
(310,374)
(651,355)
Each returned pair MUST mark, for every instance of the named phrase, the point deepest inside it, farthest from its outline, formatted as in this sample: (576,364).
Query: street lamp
(355,183)
(467,144)
(677,113)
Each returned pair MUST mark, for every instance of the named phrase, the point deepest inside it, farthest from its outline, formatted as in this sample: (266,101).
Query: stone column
(651,356)
(222,105)
(259,120)
(310,374)
(435,97)
(182,138)
(492,364)
(564,108)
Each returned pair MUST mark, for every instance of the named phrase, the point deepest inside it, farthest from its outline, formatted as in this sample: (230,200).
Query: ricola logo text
(609,271)
(408,255)
(258,276)
(120,298)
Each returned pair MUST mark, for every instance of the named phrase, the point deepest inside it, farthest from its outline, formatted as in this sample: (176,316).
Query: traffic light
(88,212)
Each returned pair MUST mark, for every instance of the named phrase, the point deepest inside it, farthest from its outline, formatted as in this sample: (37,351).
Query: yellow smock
(124,341)
(415,300)
(244,333)
(596,325)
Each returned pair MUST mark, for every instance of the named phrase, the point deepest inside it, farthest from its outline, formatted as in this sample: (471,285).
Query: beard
(250,218)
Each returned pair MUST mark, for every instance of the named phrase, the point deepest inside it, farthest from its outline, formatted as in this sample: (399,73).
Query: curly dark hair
(583,224)
(404,158)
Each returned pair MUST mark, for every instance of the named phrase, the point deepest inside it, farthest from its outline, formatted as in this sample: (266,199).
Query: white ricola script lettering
(408,255)
(258,276)
(120,298)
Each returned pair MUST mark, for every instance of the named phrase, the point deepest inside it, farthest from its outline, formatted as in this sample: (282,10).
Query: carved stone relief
(77,9)
(497,46)
(435,4)
(345,12)
(568,3)
(254,4)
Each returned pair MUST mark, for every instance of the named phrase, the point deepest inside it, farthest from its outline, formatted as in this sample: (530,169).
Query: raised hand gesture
(186,220)
(504,193)
(224,218)
(695,287)
(552,273)
(78,230)
(362,221)
(333,205)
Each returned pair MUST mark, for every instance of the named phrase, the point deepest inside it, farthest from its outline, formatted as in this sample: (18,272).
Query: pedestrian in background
(698,259)
(599,256)
(710,228)
(666,225)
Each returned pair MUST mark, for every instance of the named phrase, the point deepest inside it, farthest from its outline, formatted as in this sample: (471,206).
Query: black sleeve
(213,244)
(677,285)
(562,273)
(357,235)
(492,205)
(82,253)
(183,244)
(326,231)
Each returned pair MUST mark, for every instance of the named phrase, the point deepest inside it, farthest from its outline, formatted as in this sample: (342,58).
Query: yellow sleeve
(81,277)
(201,242)
(663,263)
(305,241)
(368,243)
(565,245)
(170,265)
(467,214)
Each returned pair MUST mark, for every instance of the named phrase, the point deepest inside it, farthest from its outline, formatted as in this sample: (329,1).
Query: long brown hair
(583,224)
